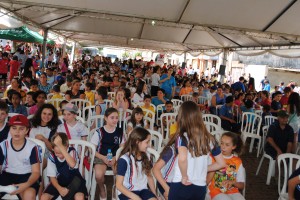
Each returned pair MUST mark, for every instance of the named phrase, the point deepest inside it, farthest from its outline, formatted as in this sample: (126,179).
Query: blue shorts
(143,194)
(9,179)
(191,192)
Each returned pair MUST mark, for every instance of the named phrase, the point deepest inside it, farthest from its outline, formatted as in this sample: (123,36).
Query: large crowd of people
(39,100)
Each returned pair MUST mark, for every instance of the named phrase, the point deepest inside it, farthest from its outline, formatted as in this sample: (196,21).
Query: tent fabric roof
(23,34)
(180,25)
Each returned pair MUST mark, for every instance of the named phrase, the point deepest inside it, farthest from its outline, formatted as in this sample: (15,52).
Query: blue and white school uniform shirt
(57,167)
(18,161)
(197,166)
(105,140)
(169,157)
(134,177)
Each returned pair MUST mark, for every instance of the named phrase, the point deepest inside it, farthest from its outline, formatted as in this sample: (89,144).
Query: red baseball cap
(20,120)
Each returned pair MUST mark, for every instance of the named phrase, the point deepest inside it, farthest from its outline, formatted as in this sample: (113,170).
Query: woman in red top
(265,98)
(14,67)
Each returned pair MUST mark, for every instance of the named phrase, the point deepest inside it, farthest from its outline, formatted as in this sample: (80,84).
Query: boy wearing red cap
(19,161)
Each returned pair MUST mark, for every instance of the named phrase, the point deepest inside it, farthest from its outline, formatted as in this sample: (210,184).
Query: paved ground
(256,188)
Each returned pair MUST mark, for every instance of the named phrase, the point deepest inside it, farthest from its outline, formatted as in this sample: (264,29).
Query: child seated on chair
(73,128)
(107,139)
(62,168)
(56,92)
(16,107)
(147,105)
(90,95)
(39,97)
(136,120)
(29,100)
(19,160)
(227,182)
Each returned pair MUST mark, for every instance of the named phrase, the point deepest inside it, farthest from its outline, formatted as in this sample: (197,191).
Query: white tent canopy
(165,25)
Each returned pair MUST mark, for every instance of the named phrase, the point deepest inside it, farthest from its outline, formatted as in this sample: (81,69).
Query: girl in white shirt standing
(193,144)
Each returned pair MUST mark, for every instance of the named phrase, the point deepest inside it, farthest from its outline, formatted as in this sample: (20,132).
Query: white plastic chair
(258,112)
(218,134)
(150,121)
(202,100)
(212,118)
(211,127)
(269,119)
(186,97)
(97,119)
(149,113)
(157,138)
(251,123)
(81,104)
(287,161)
(177,102)
(111,95)
(264,136)
(109,103)
(159,110)
(87,149)
(87,112)
(271,169)
(165,122)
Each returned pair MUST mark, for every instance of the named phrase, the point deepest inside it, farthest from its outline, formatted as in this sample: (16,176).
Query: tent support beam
(66,19)
(225,37)
(186,5)
(44,46)
(141,32)
(187,35)
(52,20)
(279,15)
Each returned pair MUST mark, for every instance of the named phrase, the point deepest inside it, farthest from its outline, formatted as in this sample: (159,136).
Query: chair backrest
(177,102)
(157,139)
(212,118)
(186,97)
(87,149)
(97,119)
(109,103)
(218,134)
(150,121)
(202,100)
(258,112)
(165,122)
(111,95)
(237,113)
(149,113)
(12,114)
(288,161)
(269,119)
(87,112)
(142,104)
(81,104)
(211,127)
(251,123)
(159,110)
